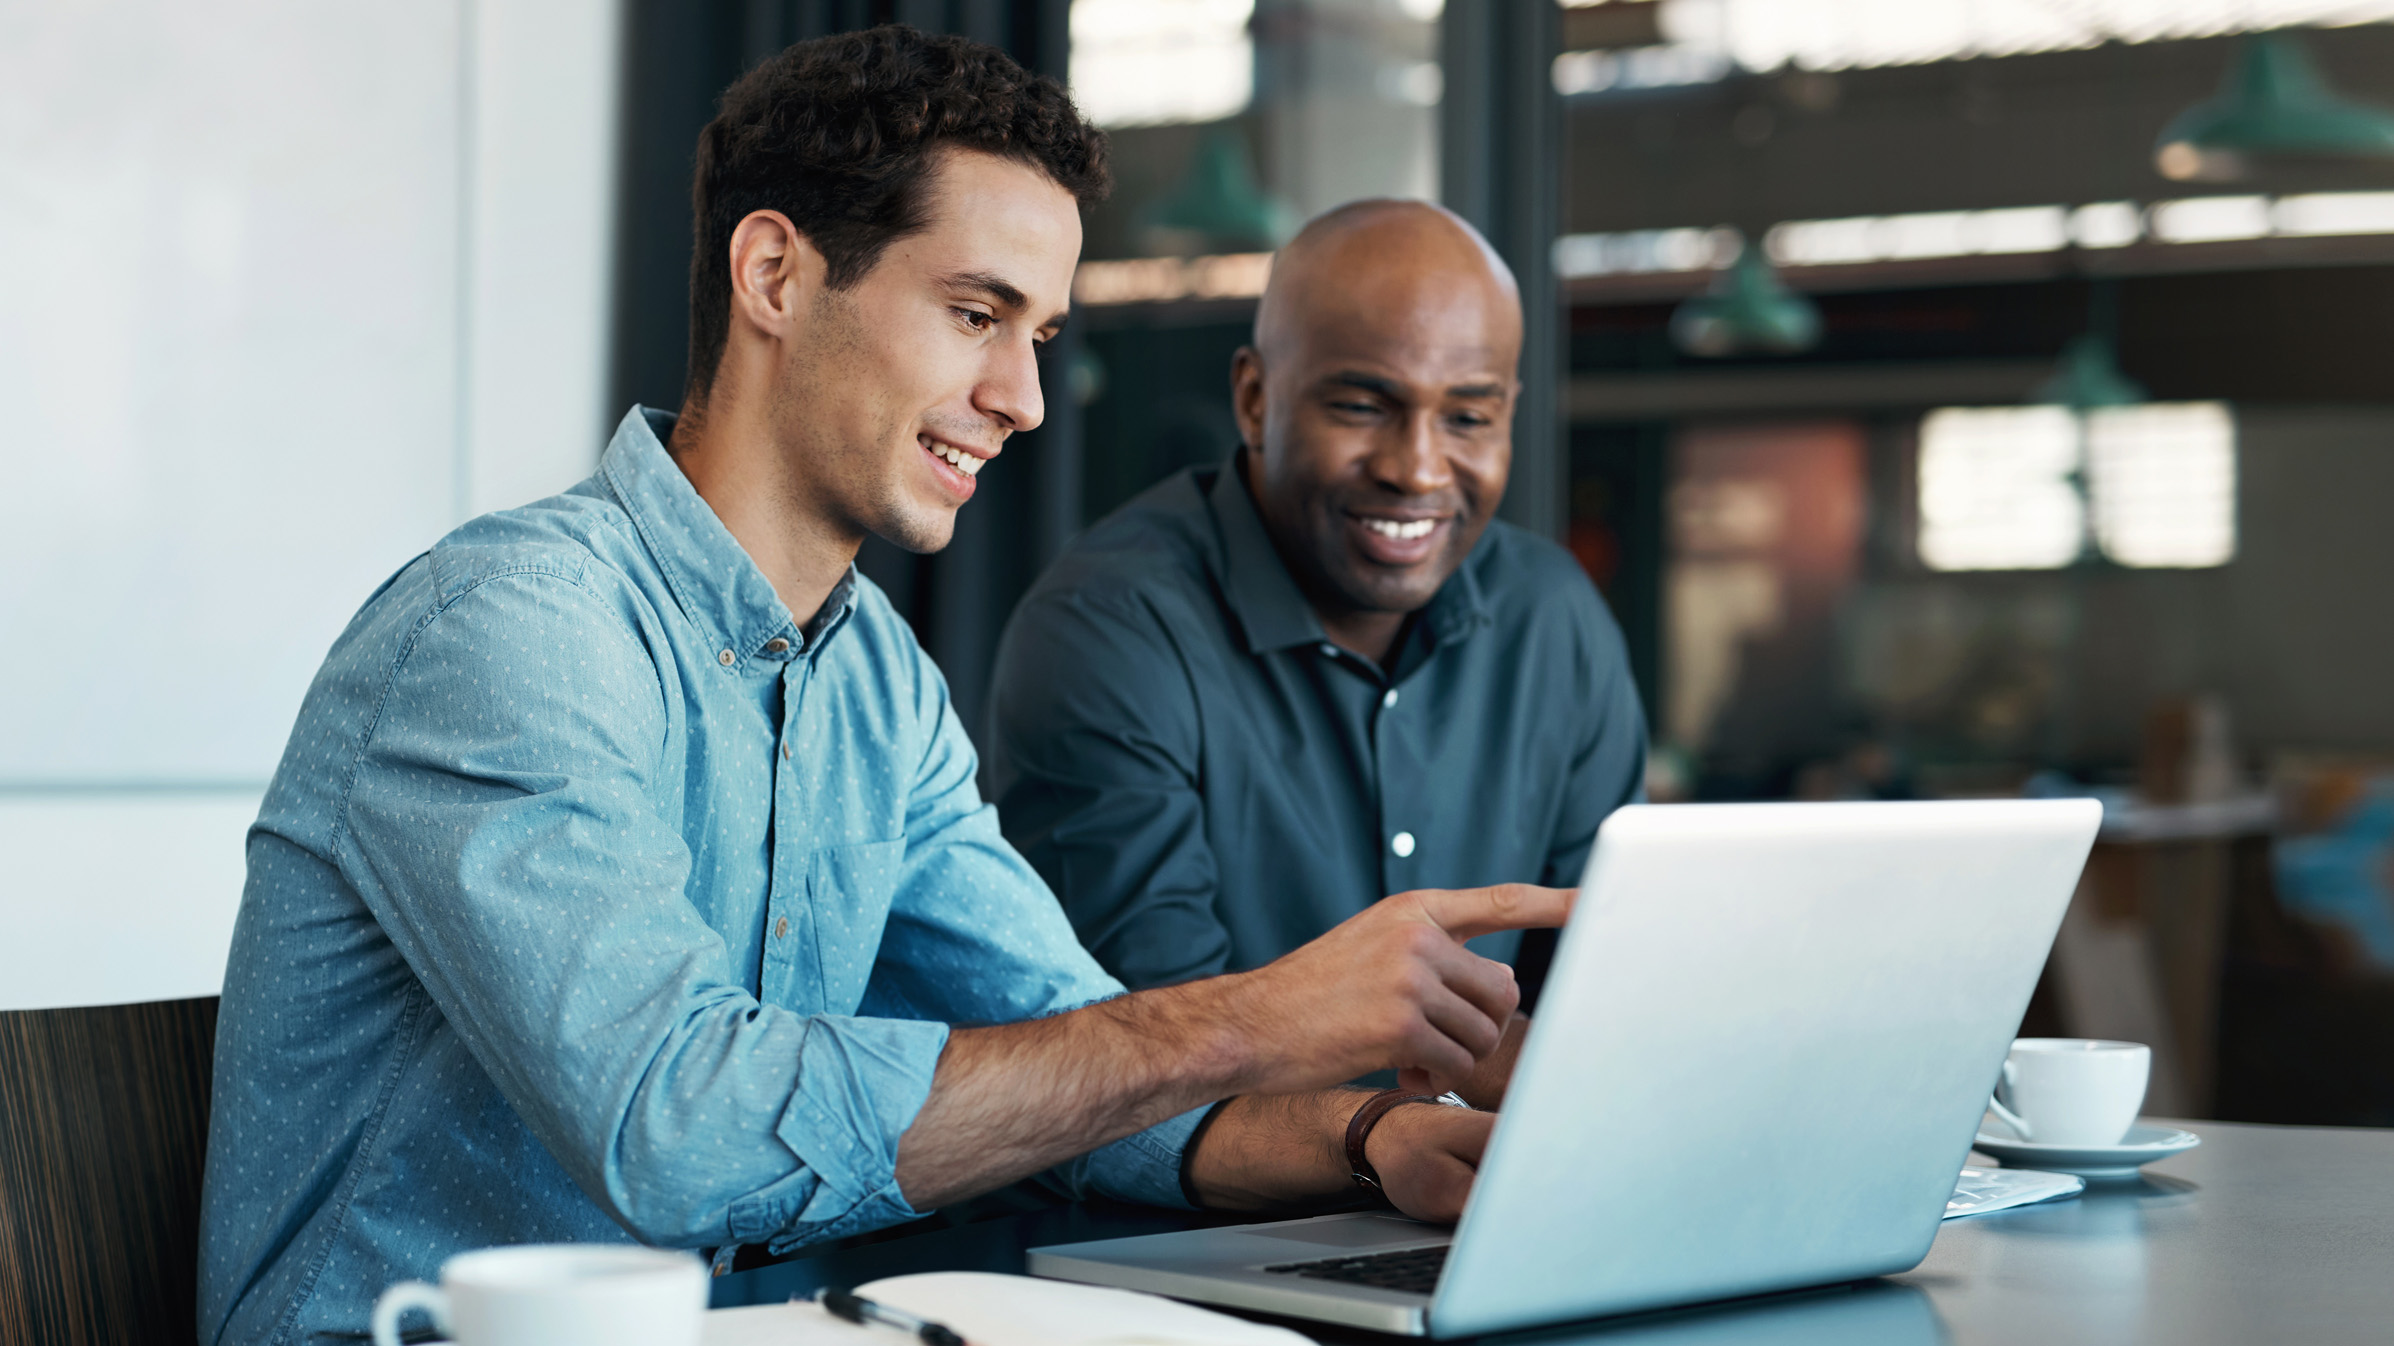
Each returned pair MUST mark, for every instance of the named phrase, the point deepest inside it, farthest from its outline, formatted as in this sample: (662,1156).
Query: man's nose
(1009,390)
(1411,460)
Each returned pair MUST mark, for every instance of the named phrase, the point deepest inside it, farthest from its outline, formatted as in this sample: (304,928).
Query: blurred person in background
(1258,697)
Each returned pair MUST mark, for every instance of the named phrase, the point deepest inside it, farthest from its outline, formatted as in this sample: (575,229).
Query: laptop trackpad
(1358,1231)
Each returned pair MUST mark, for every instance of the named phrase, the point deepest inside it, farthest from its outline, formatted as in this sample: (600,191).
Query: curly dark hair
(839,134)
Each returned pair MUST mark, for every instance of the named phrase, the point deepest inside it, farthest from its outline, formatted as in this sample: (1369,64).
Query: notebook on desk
(988,1309)
(1762,1054)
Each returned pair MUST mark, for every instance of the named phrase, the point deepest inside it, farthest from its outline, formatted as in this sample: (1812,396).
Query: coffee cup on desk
(2072,1091)
(556,1294)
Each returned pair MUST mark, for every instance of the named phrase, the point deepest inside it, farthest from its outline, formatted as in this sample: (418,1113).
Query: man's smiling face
(911,380)
(1377,407)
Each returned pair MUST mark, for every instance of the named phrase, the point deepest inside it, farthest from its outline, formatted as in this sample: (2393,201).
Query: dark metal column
(1500,157)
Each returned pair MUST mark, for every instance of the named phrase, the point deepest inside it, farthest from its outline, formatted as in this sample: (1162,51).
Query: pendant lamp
(2273,104)
(1219,204)
(2088,376)
(1746,310)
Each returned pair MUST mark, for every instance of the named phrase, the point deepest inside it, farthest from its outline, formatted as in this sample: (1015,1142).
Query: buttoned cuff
(1142,1167)
(860,1084)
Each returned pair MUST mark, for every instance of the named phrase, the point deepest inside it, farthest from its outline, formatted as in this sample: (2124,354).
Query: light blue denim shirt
(595,900)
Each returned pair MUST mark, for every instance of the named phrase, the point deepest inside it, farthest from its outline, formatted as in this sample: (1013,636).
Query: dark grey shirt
(1207,783)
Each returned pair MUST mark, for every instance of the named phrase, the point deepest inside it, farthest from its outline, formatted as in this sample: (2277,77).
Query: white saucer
(2141,1146)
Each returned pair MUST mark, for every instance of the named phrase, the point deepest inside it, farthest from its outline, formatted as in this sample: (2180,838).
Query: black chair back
(103,1131)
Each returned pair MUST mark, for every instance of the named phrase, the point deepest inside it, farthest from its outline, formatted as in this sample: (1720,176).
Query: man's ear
(1247,396)
(776,274)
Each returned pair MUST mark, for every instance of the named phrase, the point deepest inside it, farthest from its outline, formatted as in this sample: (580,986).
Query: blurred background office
(1951,397)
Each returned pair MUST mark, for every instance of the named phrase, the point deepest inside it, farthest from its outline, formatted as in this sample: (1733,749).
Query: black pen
(860,1310)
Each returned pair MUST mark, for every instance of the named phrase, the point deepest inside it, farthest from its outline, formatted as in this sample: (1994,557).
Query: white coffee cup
(2072,1091)
(556,1294)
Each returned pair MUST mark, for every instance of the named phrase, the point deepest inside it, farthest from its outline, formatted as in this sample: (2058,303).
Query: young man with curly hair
(625,878)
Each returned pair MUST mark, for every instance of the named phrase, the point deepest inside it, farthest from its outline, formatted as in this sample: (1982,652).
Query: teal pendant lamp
(1219,205)
(2087,376)
(1746,310)
(2274,104)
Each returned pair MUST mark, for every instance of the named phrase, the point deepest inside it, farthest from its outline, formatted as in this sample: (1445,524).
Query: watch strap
(1359,1130)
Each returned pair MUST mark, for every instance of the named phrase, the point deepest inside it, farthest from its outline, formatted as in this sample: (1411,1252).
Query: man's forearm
(1391,987)
(1015,1100)
(1266,1150)
(1012,1100)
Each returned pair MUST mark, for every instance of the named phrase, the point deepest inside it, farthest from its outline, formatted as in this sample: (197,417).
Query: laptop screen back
(1763,1050)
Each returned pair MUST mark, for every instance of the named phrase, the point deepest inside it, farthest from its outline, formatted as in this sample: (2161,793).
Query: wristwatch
(1359,1128)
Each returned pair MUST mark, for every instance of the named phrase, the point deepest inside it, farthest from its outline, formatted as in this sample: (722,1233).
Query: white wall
(291,289)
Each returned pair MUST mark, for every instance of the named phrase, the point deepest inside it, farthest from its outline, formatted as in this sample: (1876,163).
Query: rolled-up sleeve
(498,823)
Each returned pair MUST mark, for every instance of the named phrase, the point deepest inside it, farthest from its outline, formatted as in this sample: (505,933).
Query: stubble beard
(862,482)
(905,527)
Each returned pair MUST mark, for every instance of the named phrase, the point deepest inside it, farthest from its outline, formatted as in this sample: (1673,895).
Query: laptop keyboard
(1411,1270)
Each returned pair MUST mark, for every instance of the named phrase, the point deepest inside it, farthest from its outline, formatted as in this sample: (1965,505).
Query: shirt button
(785,750)
(776,645)
(1388,699)
(1402,844)
(1329,651)
(726,658)
(781,927)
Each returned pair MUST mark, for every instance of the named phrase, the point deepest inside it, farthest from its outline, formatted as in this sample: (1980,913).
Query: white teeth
(1399,529)
(957,458)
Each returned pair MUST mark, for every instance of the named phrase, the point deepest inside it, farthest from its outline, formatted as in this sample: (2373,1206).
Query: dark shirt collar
(714,579)
(1272,612)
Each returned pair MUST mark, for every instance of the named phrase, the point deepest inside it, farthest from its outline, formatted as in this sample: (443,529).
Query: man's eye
(1354,408)
(976,319)
(1470,420)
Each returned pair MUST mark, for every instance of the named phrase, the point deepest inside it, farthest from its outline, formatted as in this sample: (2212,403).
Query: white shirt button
(1329,651)
(776,645)
(726,658)
(1402,844)
(1388,700)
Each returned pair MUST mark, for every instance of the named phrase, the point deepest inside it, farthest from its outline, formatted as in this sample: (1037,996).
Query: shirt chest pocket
(821,943)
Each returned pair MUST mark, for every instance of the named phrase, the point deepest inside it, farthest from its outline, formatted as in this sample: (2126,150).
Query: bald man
(1259,697)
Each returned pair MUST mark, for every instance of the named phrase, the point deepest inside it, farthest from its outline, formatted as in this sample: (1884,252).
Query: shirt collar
(1271,610)
(1272,613)
(712,577)
(1459,607)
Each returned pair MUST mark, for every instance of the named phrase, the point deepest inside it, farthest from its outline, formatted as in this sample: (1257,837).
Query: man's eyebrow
(1395,391)
(1370,383)
(990,283)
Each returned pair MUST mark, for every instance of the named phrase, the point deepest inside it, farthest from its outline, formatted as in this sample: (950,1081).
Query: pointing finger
(1465,912)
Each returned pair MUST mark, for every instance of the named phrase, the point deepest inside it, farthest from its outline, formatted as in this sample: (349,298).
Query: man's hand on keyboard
(1426,1157)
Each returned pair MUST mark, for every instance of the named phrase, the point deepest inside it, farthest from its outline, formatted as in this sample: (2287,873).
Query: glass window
(1703,40)
(1155,62)
(1234,121)
(1997,489)
(2024,488)
(2162,478)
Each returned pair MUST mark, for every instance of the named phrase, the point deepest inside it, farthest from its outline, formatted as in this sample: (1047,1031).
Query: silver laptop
(1765,1044)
